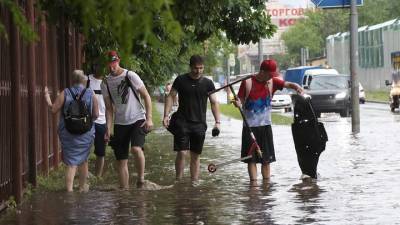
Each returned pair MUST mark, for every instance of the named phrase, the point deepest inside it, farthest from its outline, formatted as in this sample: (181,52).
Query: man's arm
(147,104)
(215,109)
(294,86)
(109,117)
(95,107)
(240,95)
(168,106)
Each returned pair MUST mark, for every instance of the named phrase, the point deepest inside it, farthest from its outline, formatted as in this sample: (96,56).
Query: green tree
(378,11)
(155,37)
(202,24)
(126,22)
(284,61)
(243,21)
(19,20)
(311,32)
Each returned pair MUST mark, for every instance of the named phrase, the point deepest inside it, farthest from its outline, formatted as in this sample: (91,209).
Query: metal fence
(28,132)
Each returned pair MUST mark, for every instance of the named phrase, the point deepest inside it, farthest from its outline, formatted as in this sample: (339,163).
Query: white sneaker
(304,177)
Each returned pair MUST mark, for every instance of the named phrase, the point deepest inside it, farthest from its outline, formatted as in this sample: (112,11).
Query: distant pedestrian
(75,147)
(193,90)
(121,90)
(256,95)
(95,81)
(168,88)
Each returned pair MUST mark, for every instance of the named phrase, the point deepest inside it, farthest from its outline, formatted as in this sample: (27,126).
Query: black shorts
(264,139)
(125,134)
(99,143)
(193,138)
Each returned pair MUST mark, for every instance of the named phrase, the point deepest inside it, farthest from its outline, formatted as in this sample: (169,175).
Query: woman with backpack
(79,108)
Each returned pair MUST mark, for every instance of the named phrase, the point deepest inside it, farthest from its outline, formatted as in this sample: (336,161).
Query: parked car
(282,100)
(330,93)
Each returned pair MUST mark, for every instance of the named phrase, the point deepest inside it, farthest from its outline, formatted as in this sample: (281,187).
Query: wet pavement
(359,183)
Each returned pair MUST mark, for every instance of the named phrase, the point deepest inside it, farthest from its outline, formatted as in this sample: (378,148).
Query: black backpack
(78,116)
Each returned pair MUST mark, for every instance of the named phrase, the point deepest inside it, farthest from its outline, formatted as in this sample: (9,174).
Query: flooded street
(359,183)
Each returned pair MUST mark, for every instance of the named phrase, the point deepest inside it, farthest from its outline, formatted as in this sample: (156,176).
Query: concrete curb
(374,101)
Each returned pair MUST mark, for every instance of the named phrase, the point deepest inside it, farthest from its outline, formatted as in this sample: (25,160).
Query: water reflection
(192,206)
(128,210)
(307,194)
(258,204)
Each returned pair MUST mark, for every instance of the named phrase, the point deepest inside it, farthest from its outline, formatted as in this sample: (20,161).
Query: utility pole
(355,114)
(355,105)
(231,62)
(260,53)
(228,80)
(304,56)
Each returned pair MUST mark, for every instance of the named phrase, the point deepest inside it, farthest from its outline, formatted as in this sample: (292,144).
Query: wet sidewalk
(358,185)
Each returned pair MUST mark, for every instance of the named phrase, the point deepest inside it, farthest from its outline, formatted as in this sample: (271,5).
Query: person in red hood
(255,96)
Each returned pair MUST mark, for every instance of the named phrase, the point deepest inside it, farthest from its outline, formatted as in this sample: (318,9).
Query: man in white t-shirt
(132,120)
(95,81)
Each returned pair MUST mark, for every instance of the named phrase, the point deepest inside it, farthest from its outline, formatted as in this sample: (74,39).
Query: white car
(282,100)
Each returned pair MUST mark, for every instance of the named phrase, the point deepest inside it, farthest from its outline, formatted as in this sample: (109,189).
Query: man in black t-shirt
(193,91)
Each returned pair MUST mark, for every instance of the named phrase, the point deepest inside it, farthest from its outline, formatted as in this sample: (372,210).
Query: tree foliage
(20,21)
(311,32)
(126,22)
(243,21)
(156,37)
(378,11)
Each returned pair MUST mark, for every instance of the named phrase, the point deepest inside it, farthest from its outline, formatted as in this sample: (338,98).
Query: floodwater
(359,183)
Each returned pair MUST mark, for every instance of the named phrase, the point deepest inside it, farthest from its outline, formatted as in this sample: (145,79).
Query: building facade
(376,43)
(284,14)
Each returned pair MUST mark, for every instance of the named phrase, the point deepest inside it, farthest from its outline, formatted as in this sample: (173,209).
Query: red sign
(283,12)
(286,22)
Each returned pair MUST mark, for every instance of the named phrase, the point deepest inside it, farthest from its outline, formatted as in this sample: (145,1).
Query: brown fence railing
(28,132)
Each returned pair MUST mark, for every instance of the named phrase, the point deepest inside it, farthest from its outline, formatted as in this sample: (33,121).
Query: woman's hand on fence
(47,96)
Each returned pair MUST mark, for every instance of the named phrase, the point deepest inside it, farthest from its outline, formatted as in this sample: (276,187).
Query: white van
(309,73)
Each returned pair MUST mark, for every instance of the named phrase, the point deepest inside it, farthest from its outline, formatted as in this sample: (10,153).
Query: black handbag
(177,124)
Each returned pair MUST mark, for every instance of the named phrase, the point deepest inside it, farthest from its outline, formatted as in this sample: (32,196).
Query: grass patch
(281,120)
(157,120)
(382,95)
(54,181)
(231,111)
